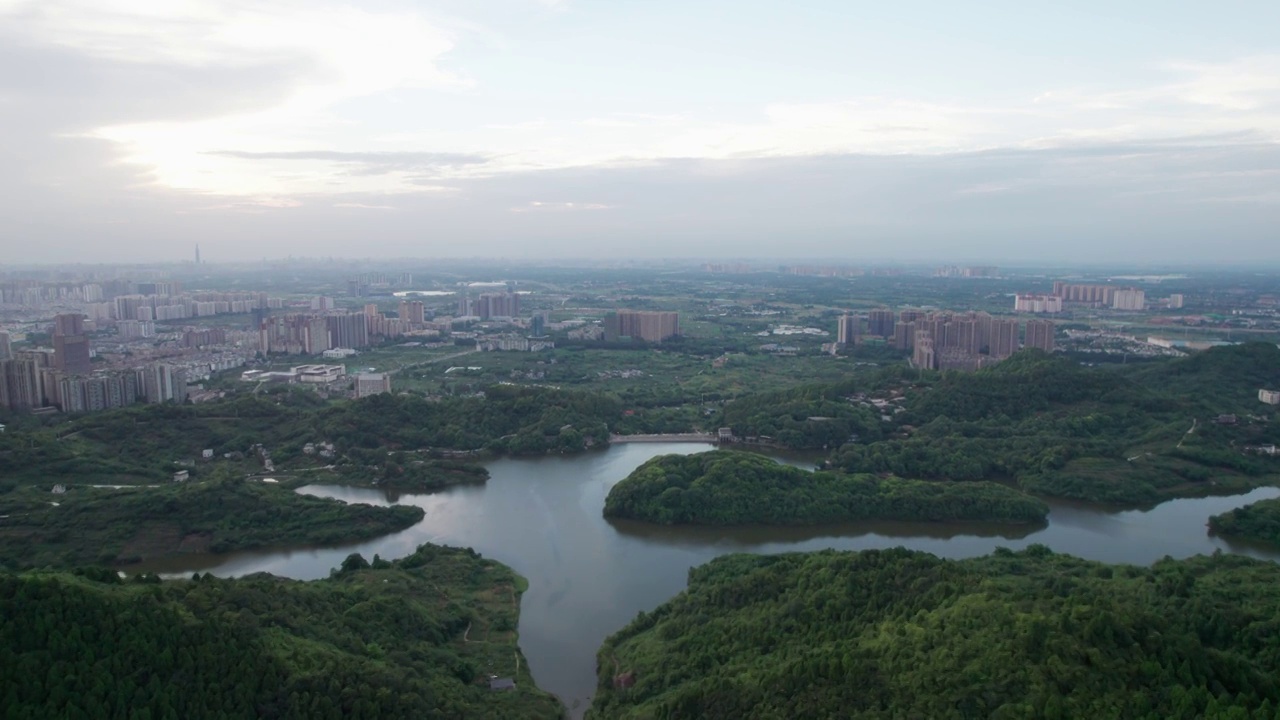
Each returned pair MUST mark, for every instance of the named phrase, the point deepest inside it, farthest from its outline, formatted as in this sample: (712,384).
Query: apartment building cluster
(650,326)
(313,334)
(974,271)
(490,305)
(1028,303)
(377,283)
(947,340)
(31,381)
(1117,298)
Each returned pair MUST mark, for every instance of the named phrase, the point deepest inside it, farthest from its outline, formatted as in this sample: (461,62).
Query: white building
(1175,301)
(1129,299)
(319,373)
(1038,304)
(1270,397)
(338,353)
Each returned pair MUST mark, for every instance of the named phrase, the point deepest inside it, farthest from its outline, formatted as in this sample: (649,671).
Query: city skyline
(567,128)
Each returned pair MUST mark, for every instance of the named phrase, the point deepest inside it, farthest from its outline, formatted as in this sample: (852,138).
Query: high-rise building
(164,383)
(413,311)
(1176,301)
(20,384)
(922,354)
(493,305)
(847,329)
(197,253)
(880,322)
(347,331)
(904,335)
(6,346)
(1038,304)
(70,344)
(1040,334)
(642,325)
(962,334)
(1004,338)
(1129,299)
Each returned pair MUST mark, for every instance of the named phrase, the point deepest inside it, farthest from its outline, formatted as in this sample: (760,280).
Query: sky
(1010,132)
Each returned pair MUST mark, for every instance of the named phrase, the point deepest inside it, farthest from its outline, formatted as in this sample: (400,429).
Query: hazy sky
(1005,131)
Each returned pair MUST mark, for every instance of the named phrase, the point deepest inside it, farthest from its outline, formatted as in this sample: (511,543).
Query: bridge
(674,438)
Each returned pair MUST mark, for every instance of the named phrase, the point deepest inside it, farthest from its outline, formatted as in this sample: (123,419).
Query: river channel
(589,577)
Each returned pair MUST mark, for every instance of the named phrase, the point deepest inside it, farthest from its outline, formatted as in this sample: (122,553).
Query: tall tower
(197,253)
(70,344)
(847,329)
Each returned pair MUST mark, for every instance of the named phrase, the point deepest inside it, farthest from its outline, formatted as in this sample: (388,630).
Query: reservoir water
(588,577)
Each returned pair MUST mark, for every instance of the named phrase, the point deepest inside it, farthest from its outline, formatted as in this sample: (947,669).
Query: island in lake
(733,488)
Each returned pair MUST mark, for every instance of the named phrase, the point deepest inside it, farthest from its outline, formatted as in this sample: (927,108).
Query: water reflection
(589,577)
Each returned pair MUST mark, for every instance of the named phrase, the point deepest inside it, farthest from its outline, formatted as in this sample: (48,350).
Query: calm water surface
(589,577)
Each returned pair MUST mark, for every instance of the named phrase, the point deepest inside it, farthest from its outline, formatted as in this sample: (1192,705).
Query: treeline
(814,415)
(87,525)
(1109,435)
(1256,521)
(733,488)
(141,444)
(896,633)
(380,641)
(509,419)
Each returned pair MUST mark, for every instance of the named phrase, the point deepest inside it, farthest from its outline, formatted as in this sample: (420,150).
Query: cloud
(363,206)
(370,163)
(541,206)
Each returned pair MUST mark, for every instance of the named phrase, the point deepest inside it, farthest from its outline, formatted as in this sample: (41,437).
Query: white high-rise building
(1129,299)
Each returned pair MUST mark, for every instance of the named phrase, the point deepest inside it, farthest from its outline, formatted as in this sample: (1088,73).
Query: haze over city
(1137,133)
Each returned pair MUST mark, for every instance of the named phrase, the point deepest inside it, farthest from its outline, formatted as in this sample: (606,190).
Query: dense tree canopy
(895,633)
(103,525)
(1257,521)
(1103,434)
(417,638)
(728,488)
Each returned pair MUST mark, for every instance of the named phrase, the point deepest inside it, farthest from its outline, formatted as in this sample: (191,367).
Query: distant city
(86,339)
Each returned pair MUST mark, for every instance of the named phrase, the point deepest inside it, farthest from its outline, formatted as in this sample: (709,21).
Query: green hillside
(902,634)
(417,638)
(730,488)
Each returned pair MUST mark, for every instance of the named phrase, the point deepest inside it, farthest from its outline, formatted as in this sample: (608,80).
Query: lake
(588,577)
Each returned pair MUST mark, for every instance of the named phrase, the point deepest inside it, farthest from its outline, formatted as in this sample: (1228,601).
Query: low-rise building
(319,373)
(372,384)
(1270,397)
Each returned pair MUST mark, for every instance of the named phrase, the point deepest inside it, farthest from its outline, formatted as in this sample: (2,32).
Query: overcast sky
(987,131)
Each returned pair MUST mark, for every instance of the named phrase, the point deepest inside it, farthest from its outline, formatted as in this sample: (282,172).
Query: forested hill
(730,488)
(897,633)
(143,443)
(417,638)
(1257,521)
(87,525)
(1102,434)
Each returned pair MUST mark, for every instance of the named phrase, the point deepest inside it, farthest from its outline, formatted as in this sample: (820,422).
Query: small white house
(207,454)
(181,476)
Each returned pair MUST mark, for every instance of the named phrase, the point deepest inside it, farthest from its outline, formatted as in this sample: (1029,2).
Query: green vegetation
(1256,521)
(142,444)
(401,472)
(896,633)
(1111,435)
(111,526)
(807,416)
(729,488)
(418,637)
